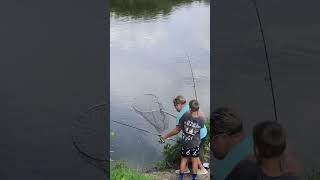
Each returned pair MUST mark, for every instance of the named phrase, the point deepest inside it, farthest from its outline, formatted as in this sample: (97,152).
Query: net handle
(124,124)
(160,105)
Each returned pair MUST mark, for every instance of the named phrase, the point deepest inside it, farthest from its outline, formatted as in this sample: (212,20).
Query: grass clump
(121,171)
(314,175)
(171,156)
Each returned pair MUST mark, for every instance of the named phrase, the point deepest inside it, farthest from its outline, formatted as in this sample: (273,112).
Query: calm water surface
(148,55)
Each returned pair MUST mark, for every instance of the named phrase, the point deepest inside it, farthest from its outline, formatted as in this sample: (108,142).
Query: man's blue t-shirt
(186,108)
(238,153)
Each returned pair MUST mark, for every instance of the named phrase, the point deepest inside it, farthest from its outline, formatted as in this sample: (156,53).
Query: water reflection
(148,45)
(148,9)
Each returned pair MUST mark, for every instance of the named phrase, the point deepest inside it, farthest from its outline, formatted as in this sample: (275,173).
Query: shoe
(202,171)
(186,172)
(206,165)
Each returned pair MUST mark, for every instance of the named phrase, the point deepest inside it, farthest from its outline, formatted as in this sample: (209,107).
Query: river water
(148,53)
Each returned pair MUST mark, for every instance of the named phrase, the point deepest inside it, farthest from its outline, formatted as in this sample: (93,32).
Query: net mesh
(149,107)
(89,136)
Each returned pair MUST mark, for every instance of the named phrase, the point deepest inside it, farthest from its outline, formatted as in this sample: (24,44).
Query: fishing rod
(267,60)
(194,84)
(140,129)
(168,113)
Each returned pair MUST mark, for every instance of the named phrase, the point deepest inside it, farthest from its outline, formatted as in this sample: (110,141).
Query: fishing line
(267,60)
(160,106)
(89,136)
(194,84)
(149,107)
(124,124)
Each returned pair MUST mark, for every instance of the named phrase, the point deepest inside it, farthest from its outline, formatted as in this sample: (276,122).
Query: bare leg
(195,165)
(200,164)
(183,164)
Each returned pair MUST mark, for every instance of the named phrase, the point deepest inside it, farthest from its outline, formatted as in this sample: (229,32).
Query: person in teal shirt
(182,107)
(229,144)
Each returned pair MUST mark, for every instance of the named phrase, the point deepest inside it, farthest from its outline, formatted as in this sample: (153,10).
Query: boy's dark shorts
(192,152)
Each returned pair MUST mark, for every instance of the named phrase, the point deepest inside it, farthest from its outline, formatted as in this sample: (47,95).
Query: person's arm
(175,131)
(203,131)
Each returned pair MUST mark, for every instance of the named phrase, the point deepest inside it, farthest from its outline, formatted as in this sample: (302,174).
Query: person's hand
(161,140)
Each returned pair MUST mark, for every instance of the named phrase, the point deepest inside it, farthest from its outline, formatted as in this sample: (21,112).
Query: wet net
(150,108)
(89,137)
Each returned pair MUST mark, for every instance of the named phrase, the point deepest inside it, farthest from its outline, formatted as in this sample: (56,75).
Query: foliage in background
(120,171)
(171,152)
(207,142)
(314,175)
(147,9)
(171,156)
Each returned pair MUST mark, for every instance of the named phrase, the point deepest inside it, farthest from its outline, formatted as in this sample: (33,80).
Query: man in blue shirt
(182,107)
(229,144)
(271,159)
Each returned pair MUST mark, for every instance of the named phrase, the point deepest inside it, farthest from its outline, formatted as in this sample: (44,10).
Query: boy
(190,124)
(181,106)
(270,161)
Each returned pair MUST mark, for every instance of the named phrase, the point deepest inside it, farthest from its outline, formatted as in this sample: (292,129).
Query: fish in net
(89,137)
(150,108)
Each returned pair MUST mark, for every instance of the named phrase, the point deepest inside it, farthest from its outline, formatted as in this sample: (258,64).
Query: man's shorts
(192,152)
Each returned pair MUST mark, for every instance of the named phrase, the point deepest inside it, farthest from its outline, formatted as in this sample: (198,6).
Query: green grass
(207,142)
(171,156)
(314,175)
(121,171)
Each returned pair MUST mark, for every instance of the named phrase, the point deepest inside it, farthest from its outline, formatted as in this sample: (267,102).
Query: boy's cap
(179,100)
(225,120)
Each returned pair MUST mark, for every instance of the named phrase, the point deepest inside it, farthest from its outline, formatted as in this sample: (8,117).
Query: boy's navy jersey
(190,130)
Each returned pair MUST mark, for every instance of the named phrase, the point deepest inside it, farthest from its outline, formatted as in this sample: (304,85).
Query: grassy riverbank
(121,171)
